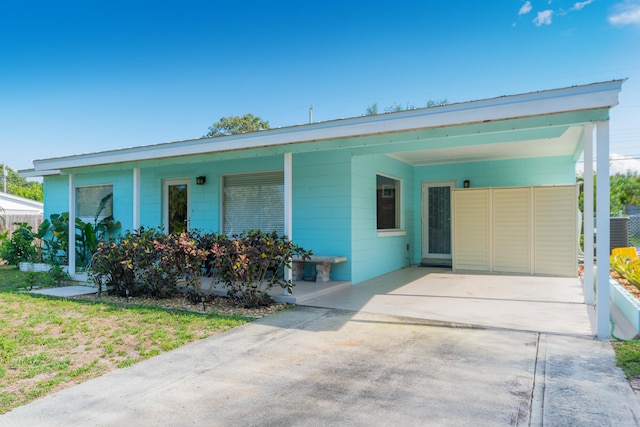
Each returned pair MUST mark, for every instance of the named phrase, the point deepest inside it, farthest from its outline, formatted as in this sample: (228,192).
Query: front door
(175,209)
(436,222)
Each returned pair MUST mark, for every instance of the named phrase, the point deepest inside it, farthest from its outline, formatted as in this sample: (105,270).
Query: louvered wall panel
(511,228)
(555,231)
(471,230)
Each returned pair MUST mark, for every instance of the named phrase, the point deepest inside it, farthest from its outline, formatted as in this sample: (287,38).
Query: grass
(47,344)
(628,358)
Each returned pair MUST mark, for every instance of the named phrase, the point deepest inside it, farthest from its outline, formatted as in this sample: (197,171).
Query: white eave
(555,101)
(19,205)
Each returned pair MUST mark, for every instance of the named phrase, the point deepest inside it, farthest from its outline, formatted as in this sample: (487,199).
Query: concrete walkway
(416,347)
(316,367)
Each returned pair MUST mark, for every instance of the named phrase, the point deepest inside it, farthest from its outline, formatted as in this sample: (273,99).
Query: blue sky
(86,76)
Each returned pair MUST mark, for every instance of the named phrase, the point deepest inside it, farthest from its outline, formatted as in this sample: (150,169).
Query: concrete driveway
(314,366)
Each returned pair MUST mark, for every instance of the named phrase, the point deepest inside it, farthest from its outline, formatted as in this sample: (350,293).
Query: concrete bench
(323,266)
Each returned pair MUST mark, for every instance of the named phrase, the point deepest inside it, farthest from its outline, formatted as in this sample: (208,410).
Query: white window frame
(90,218)
(399,229)
(165,200)
(246,174)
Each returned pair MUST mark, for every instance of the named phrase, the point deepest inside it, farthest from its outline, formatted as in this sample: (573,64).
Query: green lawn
(47,344)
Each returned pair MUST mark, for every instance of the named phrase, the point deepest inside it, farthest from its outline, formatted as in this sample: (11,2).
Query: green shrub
(251,263)
(147,262)
(628,268)
(20,247)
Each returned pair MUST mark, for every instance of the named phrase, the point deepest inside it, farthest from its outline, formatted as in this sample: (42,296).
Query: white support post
(72,224)
(288,205)
(136,198)
(602,226)
(588,215)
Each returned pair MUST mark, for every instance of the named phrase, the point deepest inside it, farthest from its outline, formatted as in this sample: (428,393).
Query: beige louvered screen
(528,230)
(471,230)
(511,228)
(555,230)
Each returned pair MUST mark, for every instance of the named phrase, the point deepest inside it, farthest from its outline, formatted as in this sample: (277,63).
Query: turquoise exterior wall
(56,193)
(322,206)
(334,197)
(503,173)
(376,253)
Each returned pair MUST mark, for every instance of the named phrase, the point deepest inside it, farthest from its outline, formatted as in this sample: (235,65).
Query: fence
(7,221)
(634,225)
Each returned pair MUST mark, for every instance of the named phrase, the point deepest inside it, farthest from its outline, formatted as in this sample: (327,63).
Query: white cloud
(618,163)
(581,4)
(622,164)
(526,8)
(543,18)
(627,13)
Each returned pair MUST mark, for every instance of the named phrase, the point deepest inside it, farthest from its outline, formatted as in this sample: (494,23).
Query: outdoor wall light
(200,180)
(466,183)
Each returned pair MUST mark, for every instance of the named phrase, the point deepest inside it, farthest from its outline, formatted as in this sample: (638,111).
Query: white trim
(576,98)
(33,173)
(288,207)
(399,204)
(136,198)
(391,233)
(424,235)
(165,200)
(602,227)
(72,224)
(588,215)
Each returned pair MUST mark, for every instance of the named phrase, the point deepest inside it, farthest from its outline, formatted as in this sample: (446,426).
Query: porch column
(602,227)
(72,224)
(288,204)
(136,198)
(588,214)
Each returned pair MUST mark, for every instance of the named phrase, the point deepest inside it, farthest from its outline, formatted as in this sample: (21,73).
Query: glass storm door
(175,215)
(436,219)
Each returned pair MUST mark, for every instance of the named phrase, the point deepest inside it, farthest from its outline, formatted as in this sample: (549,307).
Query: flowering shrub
(251,263)
(149,262)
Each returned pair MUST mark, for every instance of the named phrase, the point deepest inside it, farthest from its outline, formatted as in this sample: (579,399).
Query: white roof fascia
(554,101)
(19,203)
(33,173)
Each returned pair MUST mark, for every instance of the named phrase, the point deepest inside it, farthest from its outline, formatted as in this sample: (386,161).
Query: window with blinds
(253,201)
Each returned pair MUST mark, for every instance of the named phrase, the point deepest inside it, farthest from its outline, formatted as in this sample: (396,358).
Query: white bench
(323,266)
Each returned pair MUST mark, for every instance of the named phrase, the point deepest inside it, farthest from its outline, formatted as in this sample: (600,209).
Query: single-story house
(484,186)
(16,209)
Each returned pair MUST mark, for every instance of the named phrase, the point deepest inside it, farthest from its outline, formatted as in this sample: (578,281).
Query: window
(253,201)
(94,202)
(388,203)
(176,205)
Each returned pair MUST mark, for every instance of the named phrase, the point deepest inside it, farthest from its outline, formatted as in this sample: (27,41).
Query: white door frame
(165,200)
(424,205)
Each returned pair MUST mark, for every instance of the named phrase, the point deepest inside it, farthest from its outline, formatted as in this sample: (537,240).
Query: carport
(552,305)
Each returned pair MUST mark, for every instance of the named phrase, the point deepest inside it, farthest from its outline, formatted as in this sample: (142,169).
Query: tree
(21,187)
(624,189)
(372,109)
(236,124)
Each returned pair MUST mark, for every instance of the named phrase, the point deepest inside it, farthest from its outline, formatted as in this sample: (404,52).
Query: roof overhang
(596,96)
